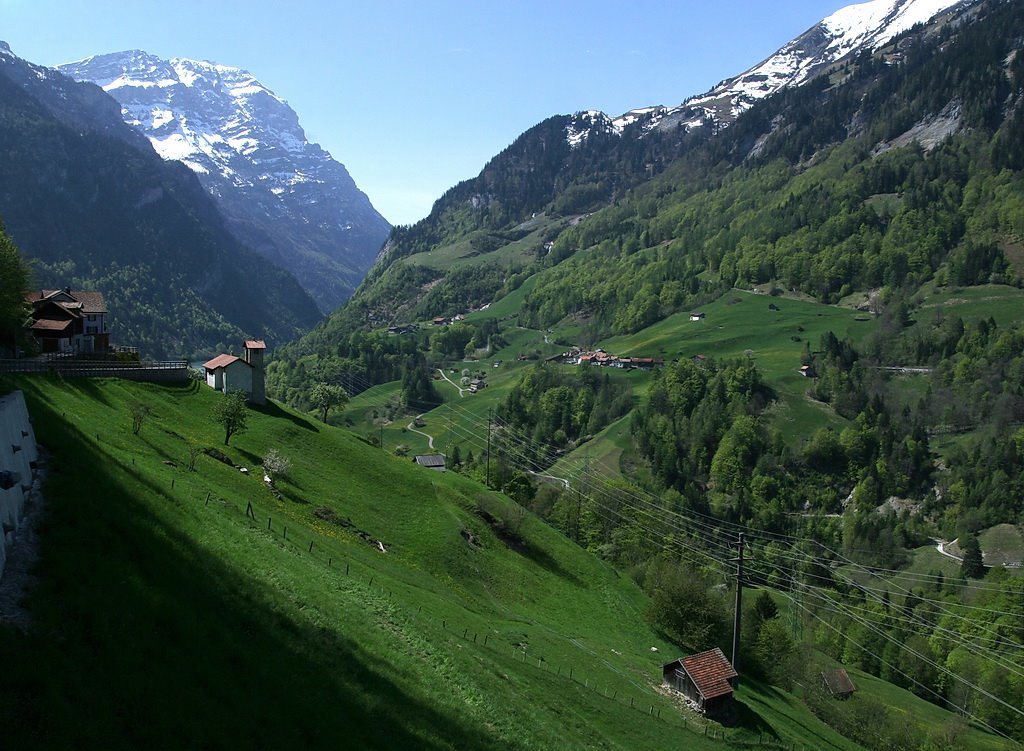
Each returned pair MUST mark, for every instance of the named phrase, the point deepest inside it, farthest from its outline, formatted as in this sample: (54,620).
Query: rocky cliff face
(285,197)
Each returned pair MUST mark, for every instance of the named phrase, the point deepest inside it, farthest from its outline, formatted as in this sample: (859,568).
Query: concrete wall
(238,377)
(18,455)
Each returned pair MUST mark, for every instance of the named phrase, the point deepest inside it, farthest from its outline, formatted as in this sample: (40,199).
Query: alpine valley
(821,261)
(768,340)
(284,197)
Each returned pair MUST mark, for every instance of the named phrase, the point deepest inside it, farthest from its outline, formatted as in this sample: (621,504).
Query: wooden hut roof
(710,672)
(838,682)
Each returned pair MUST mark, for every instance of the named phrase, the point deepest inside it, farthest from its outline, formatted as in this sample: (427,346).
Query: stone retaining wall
(18,458)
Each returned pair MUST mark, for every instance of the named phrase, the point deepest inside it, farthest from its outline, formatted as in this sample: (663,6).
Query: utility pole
(737,615)
(488,447)
(579,498)
(579,504)
(381,436)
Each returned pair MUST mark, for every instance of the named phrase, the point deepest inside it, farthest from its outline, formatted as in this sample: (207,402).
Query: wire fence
(489,643)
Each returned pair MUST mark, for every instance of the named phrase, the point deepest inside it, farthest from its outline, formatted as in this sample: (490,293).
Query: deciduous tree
(231,412)
(327,396)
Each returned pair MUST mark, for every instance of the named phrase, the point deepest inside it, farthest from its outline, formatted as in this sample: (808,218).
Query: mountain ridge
(284,196)
(88,199)
(839,36)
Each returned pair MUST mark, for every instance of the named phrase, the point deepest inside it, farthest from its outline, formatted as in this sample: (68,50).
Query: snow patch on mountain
(846,32)
(286,197)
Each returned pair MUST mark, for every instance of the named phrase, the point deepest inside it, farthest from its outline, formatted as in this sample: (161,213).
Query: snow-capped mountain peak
(212,117)
(286,196)
(846,32)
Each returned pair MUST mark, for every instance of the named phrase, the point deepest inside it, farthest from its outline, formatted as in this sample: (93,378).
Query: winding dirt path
(940,545)
(412,427)
(453,383)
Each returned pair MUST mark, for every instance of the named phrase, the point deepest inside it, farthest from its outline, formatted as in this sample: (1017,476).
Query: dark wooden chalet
(69,321)
(705,678)
(837,682)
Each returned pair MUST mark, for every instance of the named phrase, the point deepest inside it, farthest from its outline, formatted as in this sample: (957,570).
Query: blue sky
(415,96)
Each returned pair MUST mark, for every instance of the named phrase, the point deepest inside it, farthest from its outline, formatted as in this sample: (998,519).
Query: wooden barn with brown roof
(705,678)
(838,684)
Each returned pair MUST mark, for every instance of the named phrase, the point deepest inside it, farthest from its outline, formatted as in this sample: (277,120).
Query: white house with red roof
(230,373)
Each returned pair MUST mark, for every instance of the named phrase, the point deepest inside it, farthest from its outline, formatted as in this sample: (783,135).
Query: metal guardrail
(52,365)
(162,370)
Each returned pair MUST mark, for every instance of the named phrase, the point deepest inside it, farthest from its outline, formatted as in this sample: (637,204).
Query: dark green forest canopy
(15,278)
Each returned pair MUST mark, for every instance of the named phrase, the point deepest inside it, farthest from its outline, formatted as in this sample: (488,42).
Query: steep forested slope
(875,175)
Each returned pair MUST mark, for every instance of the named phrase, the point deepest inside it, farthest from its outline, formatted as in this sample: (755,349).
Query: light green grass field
(740,324)
(1003,545)
(1003,303)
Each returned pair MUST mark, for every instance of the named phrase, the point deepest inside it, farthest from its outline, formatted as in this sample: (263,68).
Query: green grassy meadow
(998,301)
(197,608)
(740,324)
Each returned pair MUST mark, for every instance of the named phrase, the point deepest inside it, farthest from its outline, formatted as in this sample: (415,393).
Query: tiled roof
(710,672)
(255,344)
(46,324)
(221,361)
(430,460)
(91,301)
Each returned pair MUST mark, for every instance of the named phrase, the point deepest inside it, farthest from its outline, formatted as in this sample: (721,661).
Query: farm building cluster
(604,359)
(407,328)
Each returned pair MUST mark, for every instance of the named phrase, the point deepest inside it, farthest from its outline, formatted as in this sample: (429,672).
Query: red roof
(46,324)
(255,344)
(710,672)
(222,361)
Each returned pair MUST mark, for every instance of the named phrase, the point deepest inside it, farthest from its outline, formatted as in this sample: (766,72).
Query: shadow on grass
(750,720)
(272,409)
(85,386)
(548,562)
(143,639)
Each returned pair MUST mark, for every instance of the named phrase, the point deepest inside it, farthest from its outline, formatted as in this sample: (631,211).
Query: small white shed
(228,373)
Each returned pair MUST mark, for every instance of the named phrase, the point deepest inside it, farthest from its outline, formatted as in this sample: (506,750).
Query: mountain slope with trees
(839,185)
(891,187)
(92,205)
